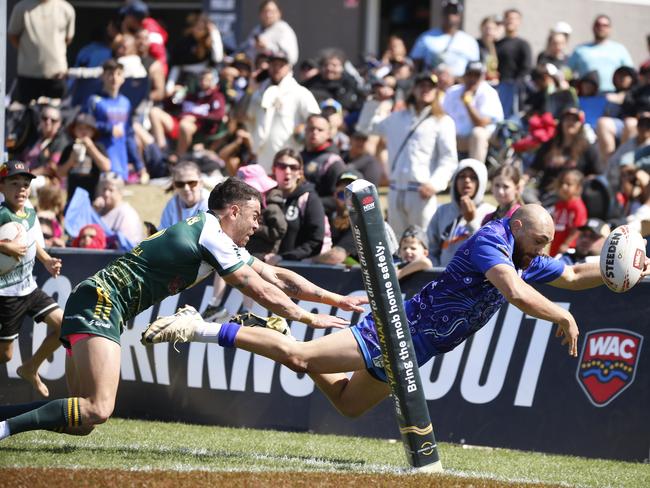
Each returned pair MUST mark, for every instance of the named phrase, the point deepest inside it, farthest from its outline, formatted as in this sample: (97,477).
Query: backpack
(327,238)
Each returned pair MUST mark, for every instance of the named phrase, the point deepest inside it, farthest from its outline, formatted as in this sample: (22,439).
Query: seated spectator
(555,52)
(98,50)
(199,45)
(112,113)
(118,216)
(611,126)
(190,197)
(506,190)
(602,55)
(413,252)
(569,149)
(302,209)
(359,159)
(272,33)
(344,250)
(48,230)
(322,161)
(236,147)
(632,152)
(456,221)
(378,105)
(475,107)
(307,69)
(569,212)
(395,54)
(273,224)
(334,82)
(91,236)
(638,208)
(333,111)
(85,158)
(548,92)
(590,241)
(49,210)
(201,113)
(44,155)
(125,52)
(449,45)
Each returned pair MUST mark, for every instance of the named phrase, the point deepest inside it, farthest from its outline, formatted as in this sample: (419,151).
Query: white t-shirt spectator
(486,101)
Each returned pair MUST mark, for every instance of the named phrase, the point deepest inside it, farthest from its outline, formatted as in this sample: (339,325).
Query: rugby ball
(622,259)
(8,232)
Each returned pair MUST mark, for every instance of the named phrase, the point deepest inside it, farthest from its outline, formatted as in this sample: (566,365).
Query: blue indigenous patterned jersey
(450,309)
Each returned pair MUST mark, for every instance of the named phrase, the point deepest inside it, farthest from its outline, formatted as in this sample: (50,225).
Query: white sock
(207,332)
(4,429)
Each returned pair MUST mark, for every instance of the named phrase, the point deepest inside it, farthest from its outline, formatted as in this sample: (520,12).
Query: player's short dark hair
(232,191)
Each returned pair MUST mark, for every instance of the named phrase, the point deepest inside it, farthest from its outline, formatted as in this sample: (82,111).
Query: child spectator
(19,295)
(112,112)
(90,236)
(456,221)
(83,160)
(189,197)
(569,212)
(506,189)
(413,252)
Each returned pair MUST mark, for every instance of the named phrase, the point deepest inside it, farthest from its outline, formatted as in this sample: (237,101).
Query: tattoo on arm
(243,283)
(291,288)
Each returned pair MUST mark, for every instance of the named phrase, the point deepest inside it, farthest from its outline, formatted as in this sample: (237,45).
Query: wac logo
(608,363)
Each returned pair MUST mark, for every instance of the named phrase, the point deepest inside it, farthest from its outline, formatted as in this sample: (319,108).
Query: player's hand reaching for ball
(322,321)
(646,267)
(569,329)
(352,304)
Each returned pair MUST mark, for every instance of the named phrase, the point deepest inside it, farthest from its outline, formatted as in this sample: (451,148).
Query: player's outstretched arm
(249,282)
(579,277)
(530,301)
(298,287)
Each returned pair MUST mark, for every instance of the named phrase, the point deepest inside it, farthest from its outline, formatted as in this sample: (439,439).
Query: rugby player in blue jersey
(497,264)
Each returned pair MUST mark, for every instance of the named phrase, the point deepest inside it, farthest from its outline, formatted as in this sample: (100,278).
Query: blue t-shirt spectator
(604,57)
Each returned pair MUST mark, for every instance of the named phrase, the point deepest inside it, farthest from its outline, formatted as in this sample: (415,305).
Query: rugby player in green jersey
(163,265)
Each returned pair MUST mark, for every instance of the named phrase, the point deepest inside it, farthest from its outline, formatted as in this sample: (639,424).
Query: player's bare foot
(32,378)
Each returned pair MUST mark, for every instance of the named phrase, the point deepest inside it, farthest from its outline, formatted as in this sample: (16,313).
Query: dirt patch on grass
(52,478)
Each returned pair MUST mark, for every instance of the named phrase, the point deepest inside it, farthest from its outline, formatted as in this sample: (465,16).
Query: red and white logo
(368,203)
(639,260)
(608,363)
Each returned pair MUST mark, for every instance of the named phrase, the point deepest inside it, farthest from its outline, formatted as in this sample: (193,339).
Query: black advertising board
(511,385)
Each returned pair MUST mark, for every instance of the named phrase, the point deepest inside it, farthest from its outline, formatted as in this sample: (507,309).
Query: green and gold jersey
(168,262)
(20,281)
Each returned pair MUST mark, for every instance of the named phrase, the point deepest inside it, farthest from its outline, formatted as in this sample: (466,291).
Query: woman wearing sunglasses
(189,197)
(303,210)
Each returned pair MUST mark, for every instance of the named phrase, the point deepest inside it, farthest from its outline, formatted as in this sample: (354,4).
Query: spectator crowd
(452,115)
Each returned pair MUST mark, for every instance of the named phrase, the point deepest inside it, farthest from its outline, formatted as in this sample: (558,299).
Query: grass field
(136,453)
